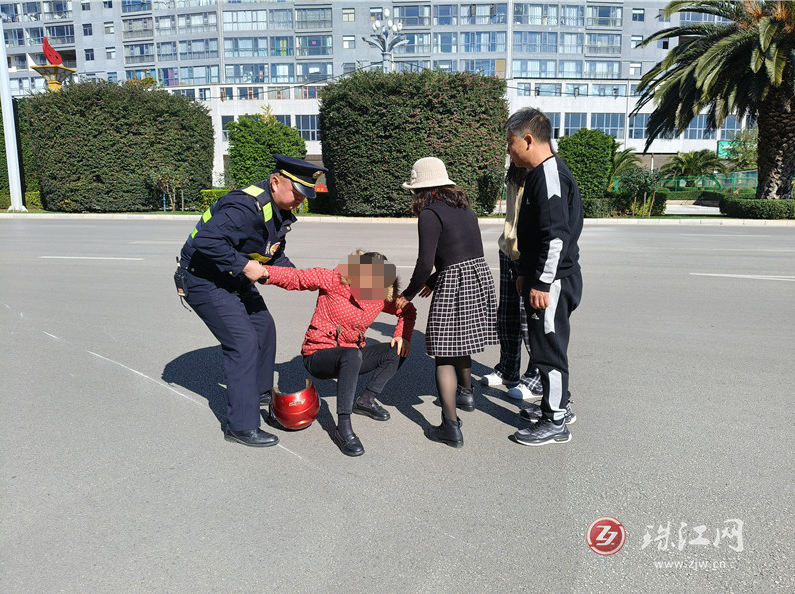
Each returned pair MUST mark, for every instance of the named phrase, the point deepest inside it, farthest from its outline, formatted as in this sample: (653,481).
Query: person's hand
(519,284)
(254,271)
(401,302)
(403,346)
(539,299)
(425,291)
(266,273)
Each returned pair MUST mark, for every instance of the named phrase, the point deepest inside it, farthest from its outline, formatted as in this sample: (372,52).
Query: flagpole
(9,130)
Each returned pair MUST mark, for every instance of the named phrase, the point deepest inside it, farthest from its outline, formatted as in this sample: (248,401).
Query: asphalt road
(116,477)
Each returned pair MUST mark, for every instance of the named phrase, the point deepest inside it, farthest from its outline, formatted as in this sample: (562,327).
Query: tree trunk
(776,148)
(643,208)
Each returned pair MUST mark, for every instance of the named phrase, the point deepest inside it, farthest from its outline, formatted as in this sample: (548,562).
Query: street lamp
(386,37)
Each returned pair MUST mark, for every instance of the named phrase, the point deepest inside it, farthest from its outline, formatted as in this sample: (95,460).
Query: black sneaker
(533,413)
(543,432)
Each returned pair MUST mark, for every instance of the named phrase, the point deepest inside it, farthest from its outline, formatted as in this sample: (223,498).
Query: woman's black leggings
(347,364)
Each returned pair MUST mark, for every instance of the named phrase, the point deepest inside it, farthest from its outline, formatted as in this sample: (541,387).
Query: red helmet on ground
(297,410)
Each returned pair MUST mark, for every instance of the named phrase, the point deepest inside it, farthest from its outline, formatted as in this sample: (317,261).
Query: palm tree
(743,64)
(703,163)
(623,160)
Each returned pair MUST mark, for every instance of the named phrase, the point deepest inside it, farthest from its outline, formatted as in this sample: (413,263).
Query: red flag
(52,56)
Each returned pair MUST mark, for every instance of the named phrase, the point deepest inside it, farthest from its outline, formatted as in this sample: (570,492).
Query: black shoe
(256,438)
(448,432)
(374,411)
(265,399)
(350,446)
(464,399)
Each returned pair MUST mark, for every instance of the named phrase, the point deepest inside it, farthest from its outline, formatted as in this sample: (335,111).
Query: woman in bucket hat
(463,313)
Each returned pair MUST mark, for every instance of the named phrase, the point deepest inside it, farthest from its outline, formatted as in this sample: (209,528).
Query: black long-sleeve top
(550,222)
(448,235)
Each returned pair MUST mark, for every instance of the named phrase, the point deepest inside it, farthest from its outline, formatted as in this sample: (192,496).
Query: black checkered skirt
(463,313)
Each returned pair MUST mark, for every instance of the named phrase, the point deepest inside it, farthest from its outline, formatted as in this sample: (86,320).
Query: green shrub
(596,208)
(210,197)
(589,156)
(118,147)
(745,193)
(33,200)
(320,204)
(740,208)
(5,200)
(374,127)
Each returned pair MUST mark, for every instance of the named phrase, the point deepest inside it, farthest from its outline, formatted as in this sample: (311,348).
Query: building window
(554,119)
(663,44)
(166,25)
(109,29)
(110,53)
(281,19)
(348,15)
(480,42)
(576,90)
(637,125)
(307,126)
(282,46)
(61,34)
(484,67)
(283,73)
(284,119)
(418,43)
(635,68)
(168,77)
(113,76)
(638,15)
(635,40)
(248,20)
(245,47)
(534,69)
(87,30)
(603,43)
(246,73)
(85,5)
(348,67)
(204,94)
(697,130)
(548,89)
(412,65)
(349,42)
(225,121)
(574,122)
(609,90)
(198,49)
(445,43)
(250,93)
(309,72)
(609,123)
(89,55)
(313,18)
(572,43)
(731,126)
(376,14)
(523,89)
(570,69)
(662,18)
(483,14)
(603,16)
(200,22)
(413,16)
(445,65)
(572,16)
(595,69)
(445,14)
(528,42)
(535,14)
(107,4)
(313,45)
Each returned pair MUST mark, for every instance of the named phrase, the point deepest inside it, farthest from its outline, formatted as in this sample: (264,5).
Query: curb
(714,221)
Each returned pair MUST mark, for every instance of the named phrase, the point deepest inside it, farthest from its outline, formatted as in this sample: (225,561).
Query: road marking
(53,336)
(749,276)
(85,258)
(170,242)
(147,377)
(720,235)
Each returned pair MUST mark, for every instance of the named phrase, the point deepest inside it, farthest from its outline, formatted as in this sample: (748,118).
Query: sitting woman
(351,297)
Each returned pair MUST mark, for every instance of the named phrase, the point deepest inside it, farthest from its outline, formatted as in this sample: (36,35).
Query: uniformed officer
(220,262)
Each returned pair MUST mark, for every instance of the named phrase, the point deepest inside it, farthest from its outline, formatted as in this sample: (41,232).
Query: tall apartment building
(578,60)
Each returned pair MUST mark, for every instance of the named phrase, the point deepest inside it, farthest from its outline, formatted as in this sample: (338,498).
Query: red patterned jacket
(339,319)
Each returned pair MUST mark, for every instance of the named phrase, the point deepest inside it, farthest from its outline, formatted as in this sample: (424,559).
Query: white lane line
(148,242)
(84,258)
(149,378)
(53,336)
(748,276)
(720,235)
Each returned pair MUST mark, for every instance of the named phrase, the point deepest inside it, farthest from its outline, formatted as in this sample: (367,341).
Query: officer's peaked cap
(303,174)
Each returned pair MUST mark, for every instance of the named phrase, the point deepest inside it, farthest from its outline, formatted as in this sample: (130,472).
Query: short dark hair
(516,174)
(454,196)
(532,121)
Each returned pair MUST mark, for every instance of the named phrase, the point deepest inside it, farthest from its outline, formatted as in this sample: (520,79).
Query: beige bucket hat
(428,172)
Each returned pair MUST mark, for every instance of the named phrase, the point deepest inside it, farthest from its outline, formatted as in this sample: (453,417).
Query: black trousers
(243,325)
(347,364)
(549,340)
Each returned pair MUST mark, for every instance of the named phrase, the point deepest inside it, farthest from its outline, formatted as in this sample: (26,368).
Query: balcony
(314,24)
(64,40)
(127,7)
(613,23)
(205,55)
(603,50)
(58,15)
(142,59)
(198,29)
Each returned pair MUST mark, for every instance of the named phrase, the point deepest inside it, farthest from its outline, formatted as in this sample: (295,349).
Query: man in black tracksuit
(550,222)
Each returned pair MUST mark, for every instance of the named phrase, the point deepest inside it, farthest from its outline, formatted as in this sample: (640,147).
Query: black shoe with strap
(374,410)
(448,432)
(464,399)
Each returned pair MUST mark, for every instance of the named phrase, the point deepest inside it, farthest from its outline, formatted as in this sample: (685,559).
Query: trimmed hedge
(620,205)
(741,208)
(105,147)
(31,200)
(589,156)
(374,126)
(210,197)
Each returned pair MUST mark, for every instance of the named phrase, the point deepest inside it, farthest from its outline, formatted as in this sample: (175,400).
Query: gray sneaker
(533,413)
(543,432)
